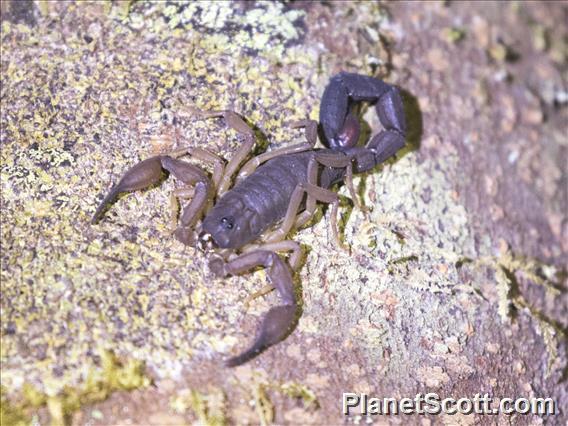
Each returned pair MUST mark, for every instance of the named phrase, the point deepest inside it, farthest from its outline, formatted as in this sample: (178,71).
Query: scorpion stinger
(341,129)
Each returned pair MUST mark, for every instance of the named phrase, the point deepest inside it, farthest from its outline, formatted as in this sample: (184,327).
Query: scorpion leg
(340,160)
(310,209)
(310,128)
(351,187)
(319,194)
(308,212)
(279,320)
(235,122)
(314,194)
(178,194)
(293,261)
(204,155)
(194,177)
(291,218)
(311,133)
(285,245)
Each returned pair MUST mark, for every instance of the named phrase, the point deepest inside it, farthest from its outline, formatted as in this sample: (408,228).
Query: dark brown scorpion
(280,187)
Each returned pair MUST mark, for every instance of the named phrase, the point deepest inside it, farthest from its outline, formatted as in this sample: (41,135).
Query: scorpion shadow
(413,122)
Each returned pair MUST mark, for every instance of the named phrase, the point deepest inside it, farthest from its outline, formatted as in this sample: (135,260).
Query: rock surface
(456,282)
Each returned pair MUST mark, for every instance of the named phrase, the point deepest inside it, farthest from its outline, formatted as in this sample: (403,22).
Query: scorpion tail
(276,325)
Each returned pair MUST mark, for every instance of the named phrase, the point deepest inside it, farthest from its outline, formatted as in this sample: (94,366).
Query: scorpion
(244,227)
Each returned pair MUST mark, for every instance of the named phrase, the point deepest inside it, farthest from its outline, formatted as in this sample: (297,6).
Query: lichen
(10,413)
(263,406)
(299,391)
(209,408)
(506,265)
(61,403)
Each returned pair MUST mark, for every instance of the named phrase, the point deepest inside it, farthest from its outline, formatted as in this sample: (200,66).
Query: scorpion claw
(276,325)
(279,320)
(142,175)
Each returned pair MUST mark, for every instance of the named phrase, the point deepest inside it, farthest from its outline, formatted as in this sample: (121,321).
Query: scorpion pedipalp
(279,320)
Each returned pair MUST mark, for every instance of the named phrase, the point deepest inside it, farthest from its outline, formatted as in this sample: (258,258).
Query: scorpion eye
(227,222)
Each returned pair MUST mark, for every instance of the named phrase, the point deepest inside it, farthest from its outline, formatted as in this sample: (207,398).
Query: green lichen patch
(507,266)
(11,414)
(262,28)
(302,392)
(210,408)
(112,375)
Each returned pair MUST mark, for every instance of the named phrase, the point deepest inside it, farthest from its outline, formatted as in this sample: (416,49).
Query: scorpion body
(278,189)
(264,196)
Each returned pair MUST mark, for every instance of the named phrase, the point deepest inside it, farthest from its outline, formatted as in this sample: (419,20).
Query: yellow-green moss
(112,375)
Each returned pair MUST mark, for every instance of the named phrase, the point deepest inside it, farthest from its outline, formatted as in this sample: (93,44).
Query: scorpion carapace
(245,227)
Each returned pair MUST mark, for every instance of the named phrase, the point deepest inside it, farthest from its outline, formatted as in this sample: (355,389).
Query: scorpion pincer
(246,226)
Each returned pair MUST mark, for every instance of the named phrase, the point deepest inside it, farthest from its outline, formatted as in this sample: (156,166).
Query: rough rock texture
(456,282)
